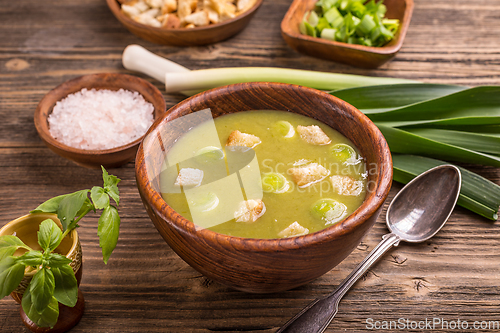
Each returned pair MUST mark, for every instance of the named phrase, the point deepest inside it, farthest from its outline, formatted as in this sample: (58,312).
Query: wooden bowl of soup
(218,172)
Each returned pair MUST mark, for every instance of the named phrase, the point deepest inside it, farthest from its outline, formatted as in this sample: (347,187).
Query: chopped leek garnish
(209,154)
(350,21)
(329,210)
(274,182)
(204,202)
(284,128)
(345,154)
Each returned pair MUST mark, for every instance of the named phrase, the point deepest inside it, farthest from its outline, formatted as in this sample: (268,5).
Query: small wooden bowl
(354,55)
(109,158)
(210,34)
(264,265)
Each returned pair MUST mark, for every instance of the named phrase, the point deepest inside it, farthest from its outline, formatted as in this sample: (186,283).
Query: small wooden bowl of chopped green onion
(353,32)
(98,119)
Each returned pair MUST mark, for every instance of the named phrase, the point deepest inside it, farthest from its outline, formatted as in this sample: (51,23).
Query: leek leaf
(477,194)
(474,141)
(473,102)
(372,99)
(408,143)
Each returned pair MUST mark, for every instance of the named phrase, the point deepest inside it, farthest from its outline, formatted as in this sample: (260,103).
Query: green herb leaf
(49,235)
(57,260)
(111,185)
(11,274)
(70,205)
(47,317)
(108,231)
(99,197)
(42,289)
(66,288)
(50,206)
(9,244)
(31,258)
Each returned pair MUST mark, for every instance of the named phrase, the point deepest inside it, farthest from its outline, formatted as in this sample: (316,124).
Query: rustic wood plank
(146,286)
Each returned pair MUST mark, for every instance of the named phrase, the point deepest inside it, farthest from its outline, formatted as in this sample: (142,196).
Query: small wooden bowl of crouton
(181,22)
(263,265)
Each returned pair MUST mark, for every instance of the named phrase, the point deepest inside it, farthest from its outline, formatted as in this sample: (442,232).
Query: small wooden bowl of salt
(98,119)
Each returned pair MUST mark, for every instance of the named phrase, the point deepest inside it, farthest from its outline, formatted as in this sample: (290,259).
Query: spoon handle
(316,317)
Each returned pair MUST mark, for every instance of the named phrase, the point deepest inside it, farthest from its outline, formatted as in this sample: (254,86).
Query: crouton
(307,175)
(199,19)
(130,11)
(236,138)
(345,185)
(189,177)
(169,6)
(249,211)
(154,3)
(228,12)
(244,5)
(313,134)
(148,17)
(186,7)
(294,229)
(170,21)
(213,16)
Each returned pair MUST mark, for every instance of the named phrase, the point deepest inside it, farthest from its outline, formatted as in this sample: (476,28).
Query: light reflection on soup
(309,176)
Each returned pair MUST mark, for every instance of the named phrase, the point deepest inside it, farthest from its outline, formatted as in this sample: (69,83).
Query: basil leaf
(57,260)
(86,207)
(49,206)
(47,318)
(108,230)
(99,197)
(31,258)
(49,235)
(11,274)
(42,289)
(66,289)
(9,244)
(111,185)
(69,206)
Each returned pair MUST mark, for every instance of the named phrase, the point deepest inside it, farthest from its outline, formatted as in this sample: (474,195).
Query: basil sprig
(54,281)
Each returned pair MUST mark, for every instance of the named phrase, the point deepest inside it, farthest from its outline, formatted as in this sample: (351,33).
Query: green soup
(291,182)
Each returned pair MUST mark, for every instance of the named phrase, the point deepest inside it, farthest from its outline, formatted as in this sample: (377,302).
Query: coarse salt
(100,119)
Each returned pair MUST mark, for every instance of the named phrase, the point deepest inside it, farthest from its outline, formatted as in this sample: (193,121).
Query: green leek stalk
(205,79)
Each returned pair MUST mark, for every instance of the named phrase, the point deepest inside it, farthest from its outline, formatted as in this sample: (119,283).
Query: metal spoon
(415,214)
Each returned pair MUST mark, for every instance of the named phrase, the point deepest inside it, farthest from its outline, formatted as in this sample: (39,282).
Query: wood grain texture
(146,287)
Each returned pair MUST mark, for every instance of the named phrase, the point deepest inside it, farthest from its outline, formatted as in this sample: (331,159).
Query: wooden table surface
(146,287)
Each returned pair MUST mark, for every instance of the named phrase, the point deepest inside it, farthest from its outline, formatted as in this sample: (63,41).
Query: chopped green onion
(328,34)
(204,202)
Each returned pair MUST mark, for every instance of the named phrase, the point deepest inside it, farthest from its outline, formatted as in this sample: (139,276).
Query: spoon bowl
(411,215)
(415,214)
